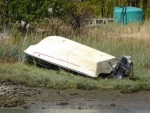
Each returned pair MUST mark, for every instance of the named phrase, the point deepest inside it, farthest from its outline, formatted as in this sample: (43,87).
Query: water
(73,111)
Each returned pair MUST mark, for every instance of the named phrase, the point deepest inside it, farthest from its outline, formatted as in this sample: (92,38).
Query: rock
(26,107)
(7,83)
(112,104)
(79,107)
(63,103)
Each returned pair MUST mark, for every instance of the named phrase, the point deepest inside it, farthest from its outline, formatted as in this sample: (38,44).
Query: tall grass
(117,40)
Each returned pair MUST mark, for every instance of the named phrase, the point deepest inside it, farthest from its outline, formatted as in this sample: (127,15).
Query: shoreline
(43,98)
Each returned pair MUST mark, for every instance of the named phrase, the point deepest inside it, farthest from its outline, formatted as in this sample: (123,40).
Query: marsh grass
(117,40)
(30,75)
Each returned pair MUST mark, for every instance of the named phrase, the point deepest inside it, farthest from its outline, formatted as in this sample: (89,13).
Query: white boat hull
(72,55)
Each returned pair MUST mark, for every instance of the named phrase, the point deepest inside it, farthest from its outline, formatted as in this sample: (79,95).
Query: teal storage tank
(128,14)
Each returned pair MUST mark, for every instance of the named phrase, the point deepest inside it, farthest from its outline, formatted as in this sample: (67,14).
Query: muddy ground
(30,98)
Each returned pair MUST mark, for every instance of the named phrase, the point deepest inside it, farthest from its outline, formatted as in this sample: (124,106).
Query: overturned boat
(79,58)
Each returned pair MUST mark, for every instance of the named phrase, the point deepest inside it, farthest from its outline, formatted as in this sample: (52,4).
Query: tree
(70,11)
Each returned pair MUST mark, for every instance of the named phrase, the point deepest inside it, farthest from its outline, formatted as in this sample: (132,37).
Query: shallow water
(73,111)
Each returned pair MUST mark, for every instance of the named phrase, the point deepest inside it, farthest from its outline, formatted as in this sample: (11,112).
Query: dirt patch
(14,95)
(43,98)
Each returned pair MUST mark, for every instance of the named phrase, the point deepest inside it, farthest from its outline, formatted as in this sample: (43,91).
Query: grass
(30,75)
(117,40)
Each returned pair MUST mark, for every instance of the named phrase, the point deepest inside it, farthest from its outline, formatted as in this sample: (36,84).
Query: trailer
(77,57)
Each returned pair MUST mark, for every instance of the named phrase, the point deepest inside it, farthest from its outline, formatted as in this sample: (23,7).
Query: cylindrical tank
(128,14)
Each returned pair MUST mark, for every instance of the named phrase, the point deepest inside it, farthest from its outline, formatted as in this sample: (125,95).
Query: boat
(74,56)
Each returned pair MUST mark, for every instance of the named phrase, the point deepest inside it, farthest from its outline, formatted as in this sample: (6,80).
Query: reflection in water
(72,111)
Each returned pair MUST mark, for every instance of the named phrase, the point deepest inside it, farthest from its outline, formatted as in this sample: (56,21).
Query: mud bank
(13,96)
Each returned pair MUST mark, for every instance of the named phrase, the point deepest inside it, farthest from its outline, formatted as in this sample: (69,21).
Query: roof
(129,9)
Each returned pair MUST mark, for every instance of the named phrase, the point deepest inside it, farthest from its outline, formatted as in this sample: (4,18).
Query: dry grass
(136,31)
(130,31)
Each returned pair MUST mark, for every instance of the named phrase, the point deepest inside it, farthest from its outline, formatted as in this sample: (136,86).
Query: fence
(97,22)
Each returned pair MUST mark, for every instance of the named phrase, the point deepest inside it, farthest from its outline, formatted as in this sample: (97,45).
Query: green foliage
(36,10)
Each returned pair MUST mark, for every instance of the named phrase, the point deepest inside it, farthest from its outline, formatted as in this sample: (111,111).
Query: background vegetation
(37,10)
